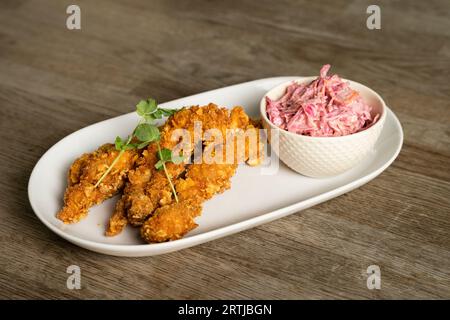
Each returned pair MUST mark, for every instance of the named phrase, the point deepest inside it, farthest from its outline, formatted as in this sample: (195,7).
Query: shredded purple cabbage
(325,107)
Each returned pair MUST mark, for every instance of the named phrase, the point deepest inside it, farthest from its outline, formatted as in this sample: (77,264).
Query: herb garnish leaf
(145,133)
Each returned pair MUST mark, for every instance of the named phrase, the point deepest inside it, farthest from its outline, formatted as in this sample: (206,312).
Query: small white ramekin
(323,156)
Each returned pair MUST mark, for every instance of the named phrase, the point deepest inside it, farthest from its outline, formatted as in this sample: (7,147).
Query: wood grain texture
(54,81)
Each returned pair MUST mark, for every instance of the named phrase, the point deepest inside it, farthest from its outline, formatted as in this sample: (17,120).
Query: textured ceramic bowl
(323,156)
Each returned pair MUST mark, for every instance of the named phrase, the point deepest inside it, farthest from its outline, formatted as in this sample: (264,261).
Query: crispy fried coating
(201,182)
(118,219)
(134,191)
(147,192)
(84,173)
(171,222)
(149,195)
(142,197)
(204,180)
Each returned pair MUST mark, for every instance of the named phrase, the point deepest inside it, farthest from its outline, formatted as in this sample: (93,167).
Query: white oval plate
(253,199)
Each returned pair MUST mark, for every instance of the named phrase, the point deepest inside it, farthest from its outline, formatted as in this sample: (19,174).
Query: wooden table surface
(54,81)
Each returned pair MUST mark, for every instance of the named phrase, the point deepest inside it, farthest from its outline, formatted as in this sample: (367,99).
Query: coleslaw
(326,107)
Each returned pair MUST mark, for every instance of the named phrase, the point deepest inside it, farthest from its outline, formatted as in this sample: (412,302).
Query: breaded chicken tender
(202,181)
(81,193)
(171,222)
(148,188)
(148,198)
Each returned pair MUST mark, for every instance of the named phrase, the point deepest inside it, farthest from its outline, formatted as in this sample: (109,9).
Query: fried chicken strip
(173,221)
(84,173)
(202,181)
(134,191)
(159,193)
(148,188)
(168,224)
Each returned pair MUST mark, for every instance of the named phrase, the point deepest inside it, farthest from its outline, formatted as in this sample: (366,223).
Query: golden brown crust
(81,194)
(201,182)
(142,200)
(171,222)
(118,219)
(148,192)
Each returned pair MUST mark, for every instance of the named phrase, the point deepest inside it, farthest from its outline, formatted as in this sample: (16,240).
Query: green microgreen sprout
(164,156)
(145,133)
